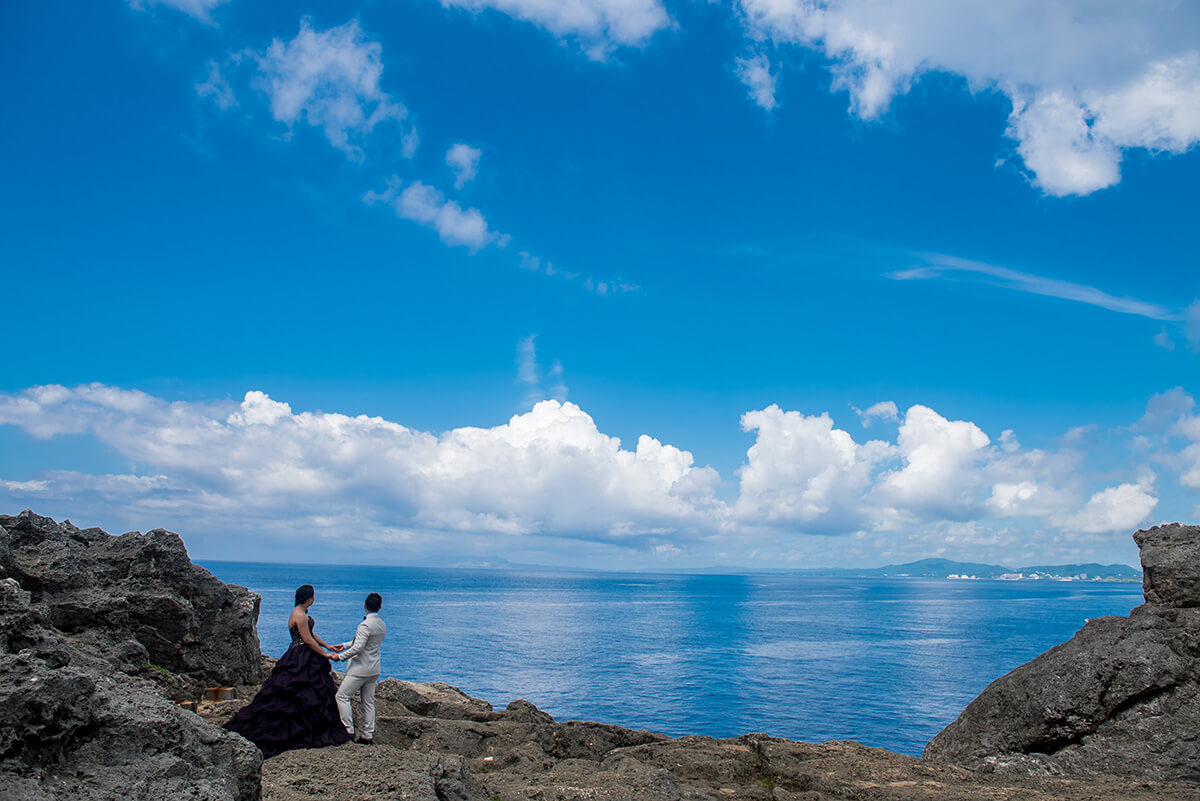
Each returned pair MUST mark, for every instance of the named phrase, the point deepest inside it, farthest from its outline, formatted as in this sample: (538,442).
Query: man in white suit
(362,672)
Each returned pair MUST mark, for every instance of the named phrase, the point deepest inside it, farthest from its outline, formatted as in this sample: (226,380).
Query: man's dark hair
(374,602)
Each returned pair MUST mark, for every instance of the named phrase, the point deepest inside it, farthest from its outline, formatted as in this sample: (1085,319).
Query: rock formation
(1121,697)
(83,715)
(435,743)
(138,596)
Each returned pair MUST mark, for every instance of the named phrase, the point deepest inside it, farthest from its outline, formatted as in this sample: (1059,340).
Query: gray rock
(1170,564)
(435,699)
(137,597)
(70,725)
(1121,697)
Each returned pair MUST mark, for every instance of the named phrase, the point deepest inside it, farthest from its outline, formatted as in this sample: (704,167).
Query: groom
(362,672)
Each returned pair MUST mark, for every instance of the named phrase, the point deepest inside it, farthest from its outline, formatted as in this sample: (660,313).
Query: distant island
(950,569)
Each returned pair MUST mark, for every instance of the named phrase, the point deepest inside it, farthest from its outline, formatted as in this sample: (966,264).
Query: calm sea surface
(887,662)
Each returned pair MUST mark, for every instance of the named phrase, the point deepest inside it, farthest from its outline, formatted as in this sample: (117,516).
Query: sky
(622,284)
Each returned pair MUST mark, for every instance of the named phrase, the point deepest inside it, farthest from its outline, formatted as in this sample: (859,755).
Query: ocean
(887,662)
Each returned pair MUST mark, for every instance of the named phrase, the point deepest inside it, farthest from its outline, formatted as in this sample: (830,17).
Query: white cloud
(464,161)
(1116,509)
(217,88)
(424,204)
(549,469)
(551,473)
(1163,340)
(529,373)
(755,73)
(802,470)
(536,264)
(940,476)
(331,80)
(1170,430)
(600,26)
(939,265)
(200,9)
(884,410)
(1191,325)
(1086,81)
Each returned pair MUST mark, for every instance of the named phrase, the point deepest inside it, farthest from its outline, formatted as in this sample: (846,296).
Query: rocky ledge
(1121,697)
(435,743)
(100,636)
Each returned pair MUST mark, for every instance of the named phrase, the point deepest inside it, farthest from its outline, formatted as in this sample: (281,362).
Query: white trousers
(351,685)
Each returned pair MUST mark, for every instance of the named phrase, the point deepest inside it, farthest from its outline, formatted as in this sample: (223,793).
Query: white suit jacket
(362,653)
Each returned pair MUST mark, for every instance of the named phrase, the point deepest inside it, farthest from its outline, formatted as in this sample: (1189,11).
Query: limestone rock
(435,699)
(137,597)
(1170,564)
(1121,697)
(70,725)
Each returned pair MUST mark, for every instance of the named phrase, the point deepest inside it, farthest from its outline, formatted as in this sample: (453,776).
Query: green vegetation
(160,670)
(770,785)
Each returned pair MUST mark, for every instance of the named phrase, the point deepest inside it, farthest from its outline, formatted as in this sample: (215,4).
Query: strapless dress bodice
(295,632)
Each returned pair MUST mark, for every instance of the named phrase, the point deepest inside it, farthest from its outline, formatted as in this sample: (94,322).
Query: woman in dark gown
(295,707)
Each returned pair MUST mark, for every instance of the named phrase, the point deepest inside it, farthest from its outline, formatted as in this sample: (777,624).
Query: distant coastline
(922,568)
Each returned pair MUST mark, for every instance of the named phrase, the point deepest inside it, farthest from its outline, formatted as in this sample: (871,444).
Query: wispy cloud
(464,161)
(529,373)
(938,266)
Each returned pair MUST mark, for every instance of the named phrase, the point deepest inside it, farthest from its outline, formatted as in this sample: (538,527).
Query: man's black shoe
(364,741)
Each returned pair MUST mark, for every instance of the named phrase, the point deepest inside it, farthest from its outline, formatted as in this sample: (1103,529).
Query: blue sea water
(886,662)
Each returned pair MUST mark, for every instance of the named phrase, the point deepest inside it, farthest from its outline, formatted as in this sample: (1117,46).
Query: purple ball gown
(295,707)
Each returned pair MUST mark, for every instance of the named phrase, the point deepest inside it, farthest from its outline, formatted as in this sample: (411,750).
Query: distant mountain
(944,568)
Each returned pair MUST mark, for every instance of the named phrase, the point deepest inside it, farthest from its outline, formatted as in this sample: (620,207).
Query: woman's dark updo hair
(304,592)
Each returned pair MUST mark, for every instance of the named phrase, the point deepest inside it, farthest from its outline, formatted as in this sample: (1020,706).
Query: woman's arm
(301,621)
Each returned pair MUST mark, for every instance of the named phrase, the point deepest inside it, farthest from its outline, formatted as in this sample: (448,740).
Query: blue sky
(669,216)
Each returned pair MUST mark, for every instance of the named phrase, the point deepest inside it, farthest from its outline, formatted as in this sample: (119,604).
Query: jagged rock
(371,774)
(1170,564)
(73,727)
(1121,697)
(525,712)
(435,699)
(136,597)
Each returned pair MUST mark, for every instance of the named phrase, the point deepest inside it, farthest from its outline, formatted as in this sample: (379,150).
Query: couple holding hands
(299,705)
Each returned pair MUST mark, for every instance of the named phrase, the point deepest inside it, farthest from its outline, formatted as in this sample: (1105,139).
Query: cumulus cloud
(803,470)
(329,79)
(1116,509)
(884,410)
(755,73)
(424,204)
(1170,431)
(464,161)
(600,26)
(552,473)
(200,9)
(549,469)
(1086,82)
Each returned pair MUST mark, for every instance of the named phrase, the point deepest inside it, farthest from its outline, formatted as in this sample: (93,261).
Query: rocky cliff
(1121,697)
(92,630)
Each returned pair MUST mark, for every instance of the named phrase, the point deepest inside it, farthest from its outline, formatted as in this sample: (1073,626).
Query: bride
(295,707)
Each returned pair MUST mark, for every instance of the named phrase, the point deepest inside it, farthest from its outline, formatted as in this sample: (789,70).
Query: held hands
(337,649)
